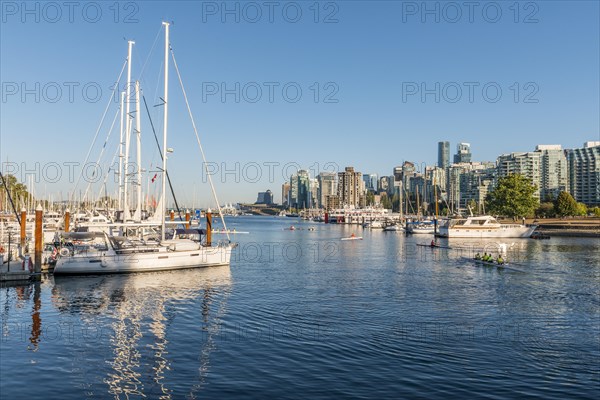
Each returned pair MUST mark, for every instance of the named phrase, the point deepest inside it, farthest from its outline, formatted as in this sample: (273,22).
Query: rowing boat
(492,264)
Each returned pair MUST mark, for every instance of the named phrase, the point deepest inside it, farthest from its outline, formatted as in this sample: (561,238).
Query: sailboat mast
(165,111)
(138,128)
(120,201)
(435,195)
(127,132)
(401,199)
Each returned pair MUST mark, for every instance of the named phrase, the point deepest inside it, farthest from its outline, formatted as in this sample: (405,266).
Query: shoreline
(567,227)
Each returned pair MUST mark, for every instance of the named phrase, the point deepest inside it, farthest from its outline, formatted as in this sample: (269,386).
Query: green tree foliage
(18,191)
(595,211)
(386,202)
(582,210)
(565,205)
(512,197)
(396,203)
(545,210)
(370,198)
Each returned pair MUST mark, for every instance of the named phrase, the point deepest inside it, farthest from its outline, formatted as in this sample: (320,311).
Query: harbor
(320,200)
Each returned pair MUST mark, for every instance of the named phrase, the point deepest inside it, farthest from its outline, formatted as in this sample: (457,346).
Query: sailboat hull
(160,260)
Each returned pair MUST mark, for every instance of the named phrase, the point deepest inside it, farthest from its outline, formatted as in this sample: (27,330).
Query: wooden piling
(38,238)
(23,227)
(67,220)
(208,228)
(187,219)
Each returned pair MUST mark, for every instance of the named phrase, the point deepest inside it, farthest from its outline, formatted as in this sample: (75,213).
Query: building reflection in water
(136,307)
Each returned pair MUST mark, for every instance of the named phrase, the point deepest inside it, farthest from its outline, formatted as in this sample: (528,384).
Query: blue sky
(361,67)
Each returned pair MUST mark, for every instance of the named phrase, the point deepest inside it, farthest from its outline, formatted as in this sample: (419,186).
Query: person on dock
(432,242)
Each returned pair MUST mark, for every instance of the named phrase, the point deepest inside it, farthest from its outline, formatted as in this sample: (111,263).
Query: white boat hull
(510,232)
(110,262)
(422,231)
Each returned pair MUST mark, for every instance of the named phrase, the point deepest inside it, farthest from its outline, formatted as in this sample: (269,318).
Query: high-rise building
(300,190)
(265,198)
(314,193)
(443,154)
(327,187)
(469,181)
(285,194)
(350,187)
(526,164)
(463,153)
(332,202)
(371,182)
(386,184)
(554,173)
(374,182)
(367,181)
(584,173)
(435,179)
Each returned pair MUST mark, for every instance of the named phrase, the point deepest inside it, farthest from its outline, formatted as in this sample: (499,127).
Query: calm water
(301,314)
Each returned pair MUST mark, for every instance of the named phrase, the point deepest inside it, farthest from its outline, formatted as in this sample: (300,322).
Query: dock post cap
(23,209)
(39,208)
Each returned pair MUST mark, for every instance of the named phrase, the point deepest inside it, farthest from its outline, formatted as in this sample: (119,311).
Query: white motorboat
(482,227)
(375,224)
(393,228)
(421,229)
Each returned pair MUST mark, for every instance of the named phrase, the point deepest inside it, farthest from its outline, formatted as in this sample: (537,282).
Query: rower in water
(500,260)
(478,256)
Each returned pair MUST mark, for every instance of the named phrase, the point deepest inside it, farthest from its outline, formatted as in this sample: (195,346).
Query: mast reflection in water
(128,324)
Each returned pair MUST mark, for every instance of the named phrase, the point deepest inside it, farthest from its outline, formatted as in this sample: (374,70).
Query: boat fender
(29,265)
(64,252)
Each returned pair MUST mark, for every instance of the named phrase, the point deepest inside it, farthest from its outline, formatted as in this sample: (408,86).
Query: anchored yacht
(484,226)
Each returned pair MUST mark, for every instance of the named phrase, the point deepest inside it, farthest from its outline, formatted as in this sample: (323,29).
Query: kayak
(353,238)
(439,246)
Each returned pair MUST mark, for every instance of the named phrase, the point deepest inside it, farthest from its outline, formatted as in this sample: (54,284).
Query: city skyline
(376,101)
(270,170)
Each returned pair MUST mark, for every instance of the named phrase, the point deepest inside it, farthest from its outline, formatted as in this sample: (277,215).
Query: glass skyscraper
(443,154)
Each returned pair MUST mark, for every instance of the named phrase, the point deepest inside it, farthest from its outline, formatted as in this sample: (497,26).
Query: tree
(582,210)
(472,205)
(385,201)
(545,210)
(565,205)
(396,202)
(370,198)
(595,211)
(18,191)
(512,197)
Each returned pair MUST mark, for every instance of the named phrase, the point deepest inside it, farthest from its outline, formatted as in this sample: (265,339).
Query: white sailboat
(104,252)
